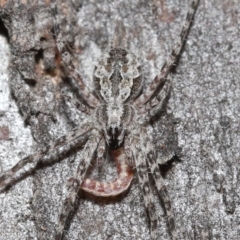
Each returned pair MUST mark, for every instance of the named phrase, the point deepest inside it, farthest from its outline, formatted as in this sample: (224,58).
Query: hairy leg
(167,66)
(50,154)
(78,105)
(142,172)
(162,193)
(158,101)
(75,182)
(151,108)
(101,151)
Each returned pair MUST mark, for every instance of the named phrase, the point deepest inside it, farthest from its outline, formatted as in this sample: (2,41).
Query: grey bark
(203,111)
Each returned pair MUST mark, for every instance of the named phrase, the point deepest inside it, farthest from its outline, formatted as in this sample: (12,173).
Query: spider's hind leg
(142,172)
(162,193)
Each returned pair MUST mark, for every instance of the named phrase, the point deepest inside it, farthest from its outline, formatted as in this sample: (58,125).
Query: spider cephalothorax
(118,112)
(117,80)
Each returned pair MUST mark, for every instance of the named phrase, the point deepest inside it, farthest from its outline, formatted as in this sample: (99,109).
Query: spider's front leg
(75,182)
(83,92)
(50,154)
(152,88)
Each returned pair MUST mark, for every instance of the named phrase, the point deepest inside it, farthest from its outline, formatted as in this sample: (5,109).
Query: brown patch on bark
(3,2)
(4,133)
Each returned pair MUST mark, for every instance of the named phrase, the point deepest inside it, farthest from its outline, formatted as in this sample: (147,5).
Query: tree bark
(200,124)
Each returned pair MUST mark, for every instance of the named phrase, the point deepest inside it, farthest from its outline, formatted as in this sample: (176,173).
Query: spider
(118,114)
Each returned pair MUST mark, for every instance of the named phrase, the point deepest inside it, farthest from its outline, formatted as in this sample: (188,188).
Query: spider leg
(142,172)
(163,194)
(101,150)
(151,108)
(157,102)
(49,155)
(167,66)
(75,182)
(69,67)
(78,105)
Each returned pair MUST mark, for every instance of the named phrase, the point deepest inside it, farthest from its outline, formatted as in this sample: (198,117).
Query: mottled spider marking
(118,76)
(121,184)
(117,80)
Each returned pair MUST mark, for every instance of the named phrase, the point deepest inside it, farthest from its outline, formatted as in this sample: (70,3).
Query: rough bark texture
(203,112)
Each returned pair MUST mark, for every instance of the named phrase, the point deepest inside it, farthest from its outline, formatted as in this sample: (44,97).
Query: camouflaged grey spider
(118,113)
